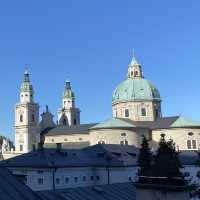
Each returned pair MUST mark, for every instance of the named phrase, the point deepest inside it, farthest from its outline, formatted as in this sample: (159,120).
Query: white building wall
(67,138)
(76,176)
(179,136)
(115,136)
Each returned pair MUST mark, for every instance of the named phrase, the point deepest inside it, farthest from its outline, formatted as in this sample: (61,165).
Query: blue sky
(90,42)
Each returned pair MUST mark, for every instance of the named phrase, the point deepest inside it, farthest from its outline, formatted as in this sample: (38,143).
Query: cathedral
(136,112)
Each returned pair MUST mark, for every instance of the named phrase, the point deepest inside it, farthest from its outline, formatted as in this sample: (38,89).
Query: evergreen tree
(166,161)
(145,158)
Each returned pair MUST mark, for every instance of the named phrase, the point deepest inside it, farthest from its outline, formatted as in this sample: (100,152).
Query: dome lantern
(135,69)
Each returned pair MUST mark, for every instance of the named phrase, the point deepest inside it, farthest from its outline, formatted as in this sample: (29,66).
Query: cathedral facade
(136,112)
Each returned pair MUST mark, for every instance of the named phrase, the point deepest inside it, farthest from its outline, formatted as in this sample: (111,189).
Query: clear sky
(90,42)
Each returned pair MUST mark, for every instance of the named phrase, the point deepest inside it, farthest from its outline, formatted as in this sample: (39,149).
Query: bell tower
(68,115)
(27,134)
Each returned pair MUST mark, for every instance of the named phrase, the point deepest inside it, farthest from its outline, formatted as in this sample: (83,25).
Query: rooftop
(97,155)
(12,189)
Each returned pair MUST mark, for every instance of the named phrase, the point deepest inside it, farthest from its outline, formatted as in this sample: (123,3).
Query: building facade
(136,112)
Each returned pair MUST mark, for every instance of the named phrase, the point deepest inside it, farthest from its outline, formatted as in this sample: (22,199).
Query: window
(80,139)
(65,139)
(123,134)
(129,178)
(32,117)
(40,181)
(84,178)
(75,179)
(98,178)
(66,180)
(126,113)
(33,146)
(64,122)
(57,181)
(186,174)
(40,171)
(101,142)
(91,178)
(156,113)
(191,144)
(190,133)
(143,112)
(21,147)
(131,73)
(74,121)
(21,118)
(136,73)
(116,114)
(124,142)
(194,144)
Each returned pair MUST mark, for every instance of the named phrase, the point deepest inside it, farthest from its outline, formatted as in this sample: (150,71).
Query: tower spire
(26,90)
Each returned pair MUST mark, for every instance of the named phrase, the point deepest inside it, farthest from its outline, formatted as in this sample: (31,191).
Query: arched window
(136,73)
(21,118)
(131,73)
(74,121)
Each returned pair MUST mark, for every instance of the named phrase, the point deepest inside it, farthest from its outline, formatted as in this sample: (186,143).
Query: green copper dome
(135,89)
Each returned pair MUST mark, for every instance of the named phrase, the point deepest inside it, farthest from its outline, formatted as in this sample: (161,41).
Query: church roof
(113,123)
(160,123)
(185,122)
(68,130)
(134,61)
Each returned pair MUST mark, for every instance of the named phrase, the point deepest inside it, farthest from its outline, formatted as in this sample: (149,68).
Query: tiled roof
(68,130)
(12,189)
(160,123)
(185,122)
(113,123)
(97,155)
(118,191)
